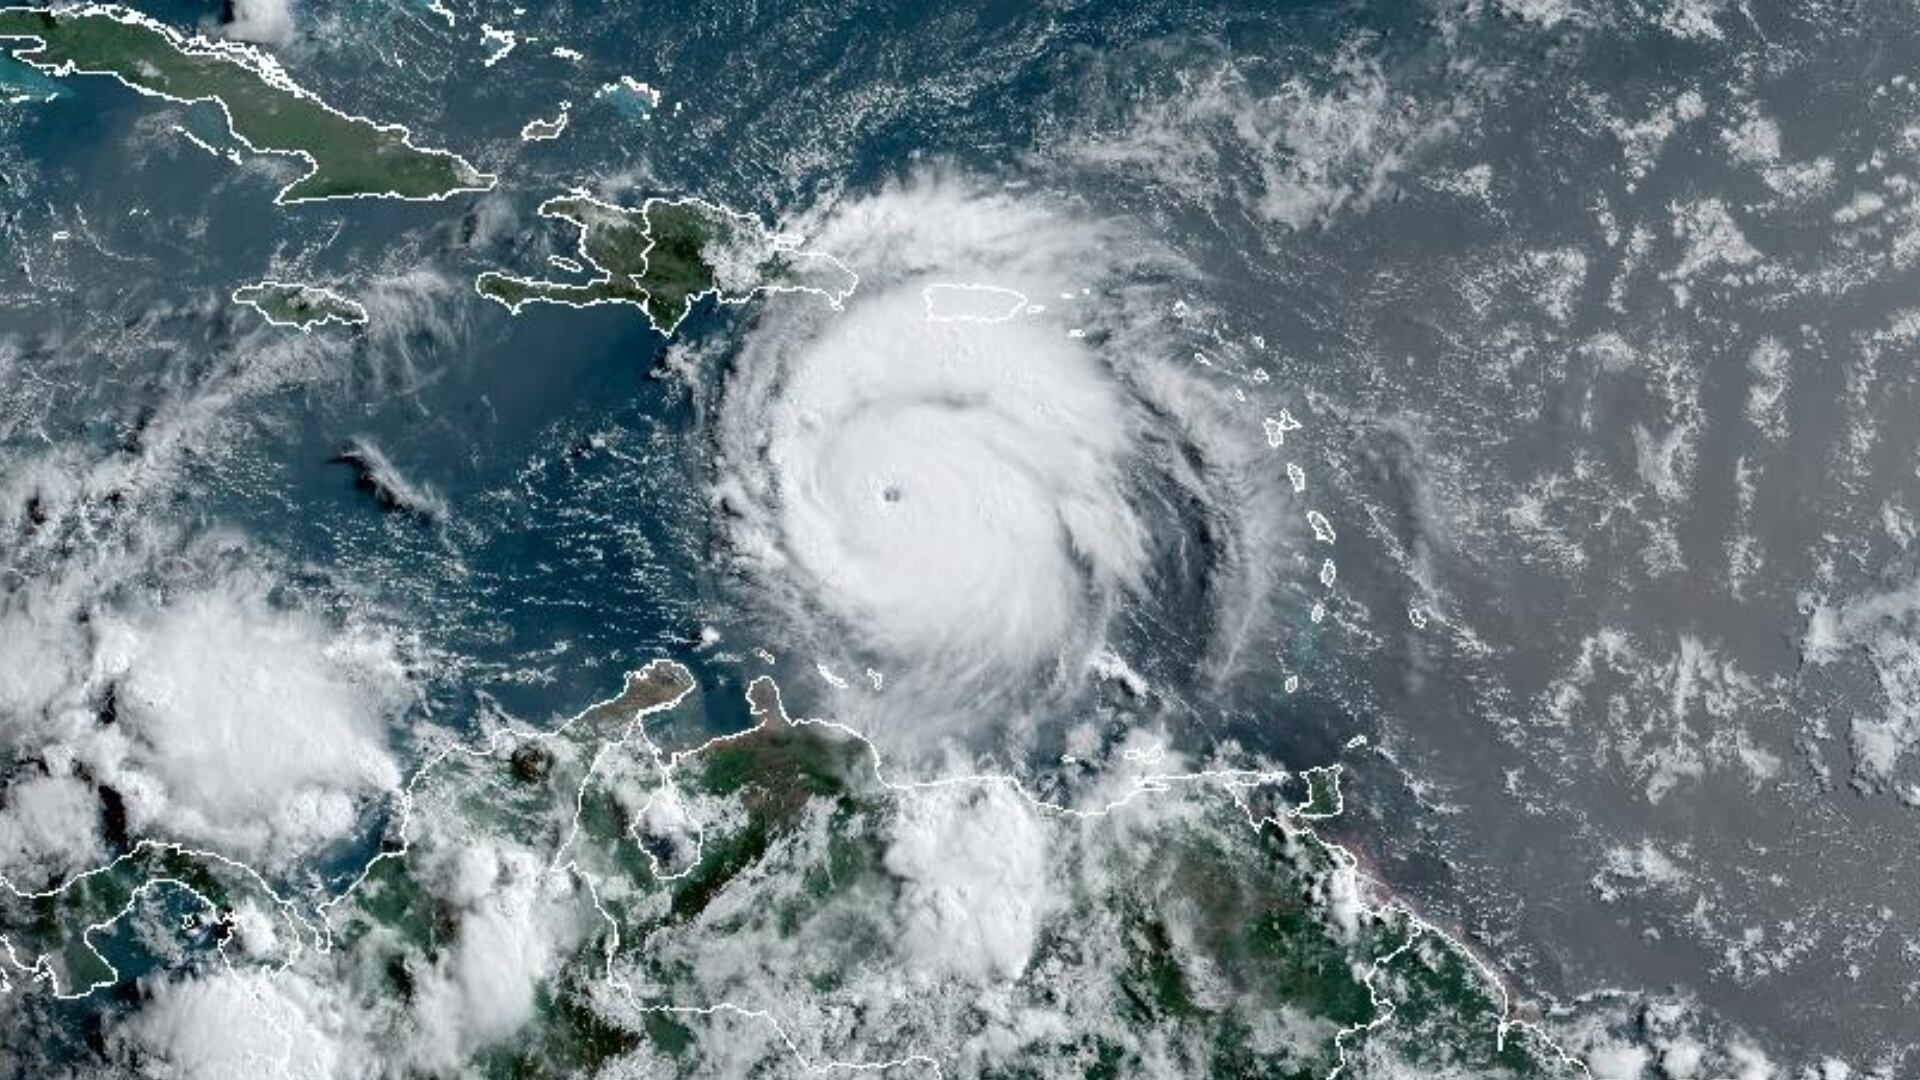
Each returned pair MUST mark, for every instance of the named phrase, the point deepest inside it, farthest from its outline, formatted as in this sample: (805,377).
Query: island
(539,130)
(285,303)
(347,156)
(973,303)
(668,253)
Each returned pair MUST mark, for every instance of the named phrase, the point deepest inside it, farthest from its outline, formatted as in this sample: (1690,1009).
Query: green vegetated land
(690,892)
(666,254)
(350,156)
(63,936)
(301,306)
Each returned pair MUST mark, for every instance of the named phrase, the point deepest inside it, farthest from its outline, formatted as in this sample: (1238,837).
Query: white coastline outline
(357,316)
(258,63)
(42,968)
(539,129)
(1021,302)
(780,242)
(633,86)
(1295,821)
(230,156)
(503,40)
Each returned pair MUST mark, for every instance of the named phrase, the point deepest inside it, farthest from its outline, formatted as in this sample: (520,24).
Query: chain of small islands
(1217,911)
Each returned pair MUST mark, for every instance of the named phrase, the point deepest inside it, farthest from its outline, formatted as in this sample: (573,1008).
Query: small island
(348,156)
(541,130)
(668,253)
(302,307)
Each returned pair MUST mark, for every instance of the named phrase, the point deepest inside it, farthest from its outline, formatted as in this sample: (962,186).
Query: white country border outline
(258,62)
(1275,431)
(1296,821)
(780,242)
(41,968)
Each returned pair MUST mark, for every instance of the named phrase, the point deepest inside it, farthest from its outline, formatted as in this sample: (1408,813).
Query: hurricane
(954,494)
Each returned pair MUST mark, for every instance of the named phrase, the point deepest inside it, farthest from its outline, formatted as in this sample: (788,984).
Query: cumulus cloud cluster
(482,988)
(1882,627)
(1318,147)
(214,717)
(238,1025)
(976,885)
(49,827)
(263,22)
(242,726)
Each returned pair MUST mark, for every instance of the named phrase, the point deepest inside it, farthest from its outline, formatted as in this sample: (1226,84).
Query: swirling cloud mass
(961,506)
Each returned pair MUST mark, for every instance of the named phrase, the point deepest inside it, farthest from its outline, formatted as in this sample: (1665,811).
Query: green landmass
(300,306)
(666,254)
(350,156)
(1323,793)
(56,934)
(736,906)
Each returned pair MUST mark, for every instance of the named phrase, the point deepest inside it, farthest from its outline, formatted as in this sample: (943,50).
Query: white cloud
(1712,237)
(47,829)
(1882,627)
(256,932)
(233,1025)
(975,865)
(951,527)
(1112,667)
(1771,366)
(960,504)
(1544,13)
(508,939)
(263,22)
(1693,18)
(1344,902)
(1617,1061)
(1681,1057)
(950,493)
(394,489)
(43,651)
(1319,148)
(242,725)
(1748,1062)
(1117,774)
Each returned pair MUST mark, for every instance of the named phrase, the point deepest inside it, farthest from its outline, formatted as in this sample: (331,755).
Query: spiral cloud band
(955,502)
(949,487)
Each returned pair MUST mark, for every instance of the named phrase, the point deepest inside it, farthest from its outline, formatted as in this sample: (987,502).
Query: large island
(667,253)
(348,156)
(300,306)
